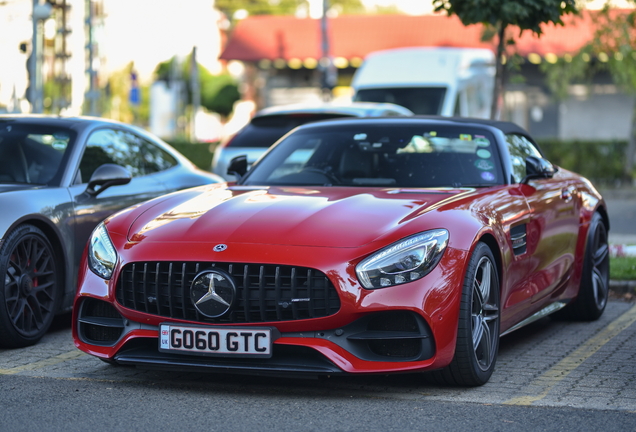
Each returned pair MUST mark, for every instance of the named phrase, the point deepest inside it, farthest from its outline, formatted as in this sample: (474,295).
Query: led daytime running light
(101,253)
(404,261)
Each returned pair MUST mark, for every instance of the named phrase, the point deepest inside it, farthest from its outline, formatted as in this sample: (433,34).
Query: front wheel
(478,325)
(29,287)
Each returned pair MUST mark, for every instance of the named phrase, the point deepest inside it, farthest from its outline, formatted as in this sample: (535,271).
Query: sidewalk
(621,203)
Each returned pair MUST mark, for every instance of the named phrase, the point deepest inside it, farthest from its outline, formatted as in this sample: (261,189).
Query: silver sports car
(59,177)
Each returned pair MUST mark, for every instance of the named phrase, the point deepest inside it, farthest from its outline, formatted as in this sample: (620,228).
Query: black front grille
(265,293)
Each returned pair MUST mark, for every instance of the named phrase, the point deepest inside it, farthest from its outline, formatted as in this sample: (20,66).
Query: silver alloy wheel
(485,314)
(600,266)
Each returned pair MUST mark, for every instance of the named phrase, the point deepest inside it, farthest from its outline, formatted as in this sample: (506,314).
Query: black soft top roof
(504,126)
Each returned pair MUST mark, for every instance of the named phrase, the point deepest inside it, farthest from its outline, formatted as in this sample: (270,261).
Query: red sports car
(353,246)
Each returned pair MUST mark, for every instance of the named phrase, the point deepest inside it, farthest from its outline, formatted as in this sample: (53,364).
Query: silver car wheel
(485,314)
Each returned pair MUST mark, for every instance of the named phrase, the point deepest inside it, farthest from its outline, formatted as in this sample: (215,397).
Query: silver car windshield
(381,156)
(32,154)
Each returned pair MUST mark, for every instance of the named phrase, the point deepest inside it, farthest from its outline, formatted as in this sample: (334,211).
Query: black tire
(594,287)
(478,326)
(29,287)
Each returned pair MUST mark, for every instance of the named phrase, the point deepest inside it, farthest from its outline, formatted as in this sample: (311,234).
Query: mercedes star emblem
(212,292)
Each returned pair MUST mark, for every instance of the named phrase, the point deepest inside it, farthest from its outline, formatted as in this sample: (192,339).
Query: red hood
(330,217)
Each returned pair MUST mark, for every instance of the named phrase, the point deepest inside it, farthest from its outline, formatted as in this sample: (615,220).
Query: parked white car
(269,124)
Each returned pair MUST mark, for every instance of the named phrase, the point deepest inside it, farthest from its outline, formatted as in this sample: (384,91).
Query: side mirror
(537,168)
(105,176)
(238,166)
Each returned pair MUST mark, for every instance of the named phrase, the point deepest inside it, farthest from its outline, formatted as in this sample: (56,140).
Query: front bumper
(404,328)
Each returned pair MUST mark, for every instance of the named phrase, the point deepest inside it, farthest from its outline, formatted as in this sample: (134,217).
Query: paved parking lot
(550,363)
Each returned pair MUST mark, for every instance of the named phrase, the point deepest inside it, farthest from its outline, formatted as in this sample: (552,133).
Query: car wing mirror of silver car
(105,176)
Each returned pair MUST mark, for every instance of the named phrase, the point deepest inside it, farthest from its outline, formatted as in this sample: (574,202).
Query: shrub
(199,154)
(599,161)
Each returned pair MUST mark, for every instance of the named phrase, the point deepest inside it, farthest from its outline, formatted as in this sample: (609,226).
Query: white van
(432,81)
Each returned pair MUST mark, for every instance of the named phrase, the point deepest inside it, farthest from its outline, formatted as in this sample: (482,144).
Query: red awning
(354,36)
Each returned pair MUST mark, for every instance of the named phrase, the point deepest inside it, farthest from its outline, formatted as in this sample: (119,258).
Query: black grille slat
(310,285)
(132,288)
(145,287)
(170,283)
(261,293)
(155,292)
(246,294)
(265,293)
(279,313)
(183,291)
(294,293)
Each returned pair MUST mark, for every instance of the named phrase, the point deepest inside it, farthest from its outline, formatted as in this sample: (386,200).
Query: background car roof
(354,109)
(62,121)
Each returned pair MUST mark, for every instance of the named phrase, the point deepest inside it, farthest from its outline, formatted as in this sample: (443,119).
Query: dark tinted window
(265,131)
(119,147)
(423,100)
(382,155)
(33,153)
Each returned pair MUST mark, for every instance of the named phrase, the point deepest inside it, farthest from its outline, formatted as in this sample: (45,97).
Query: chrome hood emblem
(219,248)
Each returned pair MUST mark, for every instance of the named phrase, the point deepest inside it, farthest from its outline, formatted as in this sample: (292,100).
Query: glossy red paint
(333,229)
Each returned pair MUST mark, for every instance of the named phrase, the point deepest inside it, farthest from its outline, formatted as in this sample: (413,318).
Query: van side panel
(463,74)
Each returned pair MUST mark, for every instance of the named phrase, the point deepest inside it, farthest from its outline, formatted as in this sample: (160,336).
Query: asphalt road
(551,375)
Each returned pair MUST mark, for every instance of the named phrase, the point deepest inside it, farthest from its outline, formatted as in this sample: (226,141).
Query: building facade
(281,58)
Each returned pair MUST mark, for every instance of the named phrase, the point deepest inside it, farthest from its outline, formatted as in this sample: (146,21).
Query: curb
(623,287)
(621,250)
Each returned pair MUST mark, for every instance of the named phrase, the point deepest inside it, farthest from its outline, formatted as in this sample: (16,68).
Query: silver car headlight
(101,253)
(404,261)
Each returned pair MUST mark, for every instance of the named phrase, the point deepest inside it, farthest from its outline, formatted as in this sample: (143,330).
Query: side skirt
(551,308)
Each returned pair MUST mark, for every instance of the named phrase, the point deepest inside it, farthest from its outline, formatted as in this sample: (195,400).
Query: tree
(501,15)
(612,49)
(218,92)
(616,35)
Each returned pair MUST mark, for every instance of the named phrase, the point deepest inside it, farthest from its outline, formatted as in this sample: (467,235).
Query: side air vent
(99,323)
(518,238)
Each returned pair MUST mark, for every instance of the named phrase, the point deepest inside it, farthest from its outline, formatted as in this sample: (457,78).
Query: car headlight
(404,261)
(101,253)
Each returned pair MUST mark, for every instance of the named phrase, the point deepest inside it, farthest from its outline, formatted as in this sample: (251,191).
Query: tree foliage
(612,49)
(524,14)
(218,92)
(614,44)
(567,70)
(502,15)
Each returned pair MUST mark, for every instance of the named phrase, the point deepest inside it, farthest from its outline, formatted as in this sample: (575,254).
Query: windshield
(32,153)
(264,131)
(420,100)
(377,155)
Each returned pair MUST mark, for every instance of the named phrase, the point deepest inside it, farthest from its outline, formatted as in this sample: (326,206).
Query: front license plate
(222,341)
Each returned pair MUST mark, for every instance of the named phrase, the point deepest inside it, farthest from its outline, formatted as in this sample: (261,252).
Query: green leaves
(524,14)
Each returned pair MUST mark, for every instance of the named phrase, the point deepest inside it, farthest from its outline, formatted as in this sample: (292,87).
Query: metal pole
(325,60)
(92,75)
(196,92)
(34,63)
